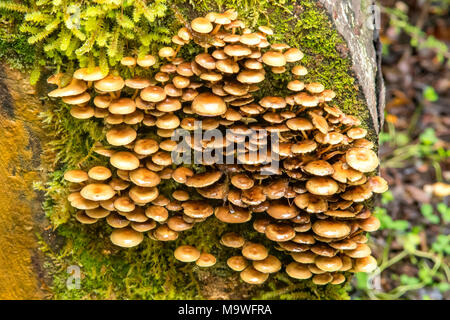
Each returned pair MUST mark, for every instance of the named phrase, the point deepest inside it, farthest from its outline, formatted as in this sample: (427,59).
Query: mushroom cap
(122,106)
(232,240)
(304,257)
(157,213)
(99,173)
(142,195)
(143,226)
(298,271)
(271,264)
(366,264)
(186,253)
(329,264)
(75,87)
(144,178)
(378,184)
(274,59)
(197,209)
(237,215)
(137,83)
(237,50)
(331,229)
(242,181)
(273,102)
(266,30)
(145,146)
(370,224)
(121,135)
(250,76)
(146,61)
(124,160)
(126,237)
(237,263)
(322,186)
(110,83)
(97,192)
(202,180)
(84,218)
(362,250)
(319,168)
(293,55)
(164,233)
(89,75)
(206,260)
(281,210)
(78,99)
(201,25)
(208,104)
(254,251)
(322,279)
(361,159)
(279,232)
(177,223)
(97,213)
(76,176)
(253,276)
(153,94)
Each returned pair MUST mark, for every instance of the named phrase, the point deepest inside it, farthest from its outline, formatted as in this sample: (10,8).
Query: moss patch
(150,271)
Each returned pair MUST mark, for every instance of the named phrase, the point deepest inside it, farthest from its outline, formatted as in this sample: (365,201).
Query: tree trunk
(350,18)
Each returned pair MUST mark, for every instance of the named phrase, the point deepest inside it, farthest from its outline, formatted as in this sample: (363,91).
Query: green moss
(150,271)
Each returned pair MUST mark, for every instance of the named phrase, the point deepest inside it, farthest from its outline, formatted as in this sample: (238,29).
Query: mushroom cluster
(312,207)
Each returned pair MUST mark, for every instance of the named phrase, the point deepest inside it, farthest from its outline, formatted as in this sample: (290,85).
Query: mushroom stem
(216,29)
(304,134)
(136,92)
(324,150)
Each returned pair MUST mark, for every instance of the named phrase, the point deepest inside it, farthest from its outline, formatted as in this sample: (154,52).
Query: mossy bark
(340,52)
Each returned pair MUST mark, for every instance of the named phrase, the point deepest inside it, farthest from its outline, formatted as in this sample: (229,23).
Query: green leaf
(430,94)
(444,211)
(428,137)
(427,211)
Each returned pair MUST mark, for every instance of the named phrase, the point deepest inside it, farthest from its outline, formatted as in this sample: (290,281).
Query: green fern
(14,7)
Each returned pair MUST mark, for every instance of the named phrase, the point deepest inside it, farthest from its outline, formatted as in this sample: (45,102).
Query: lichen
(150,271)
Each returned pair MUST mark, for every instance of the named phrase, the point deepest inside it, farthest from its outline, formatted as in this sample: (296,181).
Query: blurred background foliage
(413,243)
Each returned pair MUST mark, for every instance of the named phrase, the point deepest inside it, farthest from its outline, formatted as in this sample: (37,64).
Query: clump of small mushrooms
(313,207)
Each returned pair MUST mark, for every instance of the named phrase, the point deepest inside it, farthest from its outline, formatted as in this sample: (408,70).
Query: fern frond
(49,29)
(103,62)
(87,45)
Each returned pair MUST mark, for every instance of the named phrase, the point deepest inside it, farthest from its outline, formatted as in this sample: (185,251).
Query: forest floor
(413,244)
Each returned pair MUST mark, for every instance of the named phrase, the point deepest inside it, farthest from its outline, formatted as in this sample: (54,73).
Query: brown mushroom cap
(145,146)
(322,279)
(366,264)
(126,237)
(279,232)
(202,180)
(253,276)
(144,178)
(197,209)
(331,229)
(84,218)
(304,257)
(201,25)
(254,251)
(99,173)
(329,264)
(124,160)
(75,87)
(157,213)
(271,264)
(206,260)
(274,59)
(361,159)
(293,55)
(322,186)
(232,240)
(362,250)
(208,104)
(281,210)
(121,135)
(186,253)
(110,83)
(146,61)
(164,233)
(319,168)
(142,195)
(97,192)
(237,215)
(76,176)
(298,271)
(237,263)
